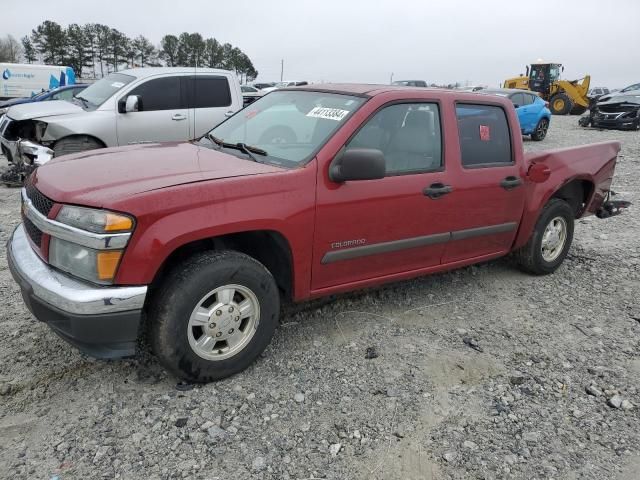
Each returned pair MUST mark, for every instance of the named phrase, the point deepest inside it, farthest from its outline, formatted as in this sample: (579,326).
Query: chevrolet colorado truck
(309,191)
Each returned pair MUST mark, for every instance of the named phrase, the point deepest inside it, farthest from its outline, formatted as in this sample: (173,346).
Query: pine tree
(28,50)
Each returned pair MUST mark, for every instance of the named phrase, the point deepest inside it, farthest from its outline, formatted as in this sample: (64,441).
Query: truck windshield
(290,126)
(103,89)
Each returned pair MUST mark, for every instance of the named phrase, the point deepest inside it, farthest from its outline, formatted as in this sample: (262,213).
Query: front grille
(40,202)
(34,232)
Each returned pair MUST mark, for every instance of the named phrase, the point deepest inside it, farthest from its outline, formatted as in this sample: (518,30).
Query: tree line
(95,50)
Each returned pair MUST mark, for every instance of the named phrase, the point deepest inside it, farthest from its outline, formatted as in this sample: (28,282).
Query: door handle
(178,117)
(437,190)
(510,182)
(229,113)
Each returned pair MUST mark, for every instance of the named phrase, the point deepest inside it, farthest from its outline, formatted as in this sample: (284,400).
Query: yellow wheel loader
(564,96)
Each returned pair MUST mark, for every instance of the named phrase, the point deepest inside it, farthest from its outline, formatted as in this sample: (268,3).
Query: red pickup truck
(307,192)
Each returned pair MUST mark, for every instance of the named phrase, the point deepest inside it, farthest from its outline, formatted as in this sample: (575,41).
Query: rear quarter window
(484,136)
(208,92)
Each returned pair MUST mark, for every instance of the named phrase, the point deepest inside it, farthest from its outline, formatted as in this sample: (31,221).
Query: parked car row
(251,93)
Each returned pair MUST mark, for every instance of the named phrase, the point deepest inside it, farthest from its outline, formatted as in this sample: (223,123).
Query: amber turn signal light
(107,263)
(117,223)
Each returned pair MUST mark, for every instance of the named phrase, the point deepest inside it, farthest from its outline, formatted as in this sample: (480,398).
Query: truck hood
(103,176)
(29,111)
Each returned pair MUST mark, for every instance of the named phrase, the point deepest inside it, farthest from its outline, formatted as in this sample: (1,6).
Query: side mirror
(538,173)
(358,164)
(132,104)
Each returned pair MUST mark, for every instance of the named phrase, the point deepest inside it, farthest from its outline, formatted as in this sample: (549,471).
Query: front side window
(208,92)
(159,94)
(290,126)
(103,89)
(484,135)
(408,134)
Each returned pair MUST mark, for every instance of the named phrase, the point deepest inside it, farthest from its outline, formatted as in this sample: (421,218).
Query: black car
(620,112)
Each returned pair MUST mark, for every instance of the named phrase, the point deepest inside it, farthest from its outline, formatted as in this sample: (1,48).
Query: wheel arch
(576,192)
(269,247)
(81,135)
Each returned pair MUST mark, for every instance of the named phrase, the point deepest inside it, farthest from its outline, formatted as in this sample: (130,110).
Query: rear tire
(201,328)
(69,145)
(554,228)
(560,104)
(541,130)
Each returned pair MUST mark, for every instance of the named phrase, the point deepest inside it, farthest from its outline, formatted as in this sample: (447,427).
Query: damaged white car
(142,105)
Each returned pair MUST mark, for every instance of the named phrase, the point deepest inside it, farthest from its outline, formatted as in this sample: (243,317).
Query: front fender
(98,124)
(170,218)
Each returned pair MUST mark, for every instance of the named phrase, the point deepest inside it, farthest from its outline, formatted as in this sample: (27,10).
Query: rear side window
(208,92)
(159,94)
(484,135)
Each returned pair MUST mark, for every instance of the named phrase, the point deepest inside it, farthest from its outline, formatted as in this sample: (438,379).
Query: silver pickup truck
(140,105)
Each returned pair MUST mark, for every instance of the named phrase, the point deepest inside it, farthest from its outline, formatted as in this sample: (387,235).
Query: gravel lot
(551,389)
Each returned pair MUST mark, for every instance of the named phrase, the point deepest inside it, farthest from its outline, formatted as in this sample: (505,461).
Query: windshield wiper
(243,147)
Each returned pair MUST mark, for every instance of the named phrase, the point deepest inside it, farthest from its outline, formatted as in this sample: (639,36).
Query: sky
(471,42)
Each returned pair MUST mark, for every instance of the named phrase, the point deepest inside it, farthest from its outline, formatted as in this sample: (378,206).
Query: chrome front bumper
(63,292)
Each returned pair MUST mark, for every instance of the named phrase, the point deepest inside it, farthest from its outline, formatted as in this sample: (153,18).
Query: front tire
(214,315)
(550,241)
(541,130)
(76,144)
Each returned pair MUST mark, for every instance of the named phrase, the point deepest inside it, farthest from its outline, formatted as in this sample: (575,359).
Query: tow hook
(611,208)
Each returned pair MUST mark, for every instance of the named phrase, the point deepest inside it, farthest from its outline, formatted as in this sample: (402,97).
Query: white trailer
(25,80)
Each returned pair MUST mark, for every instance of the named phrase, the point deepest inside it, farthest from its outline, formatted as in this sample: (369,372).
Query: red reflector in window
(485,133)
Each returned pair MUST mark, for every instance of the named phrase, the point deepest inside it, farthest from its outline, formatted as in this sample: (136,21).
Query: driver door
(162,114)
(371,229)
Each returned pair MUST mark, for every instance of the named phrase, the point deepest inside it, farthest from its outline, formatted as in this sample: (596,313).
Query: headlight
(93,265)
(34,154)
(96,221)
(40,128)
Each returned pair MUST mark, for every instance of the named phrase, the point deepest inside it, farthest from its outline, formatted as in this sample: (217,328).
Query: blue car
(533,114)
(62,93)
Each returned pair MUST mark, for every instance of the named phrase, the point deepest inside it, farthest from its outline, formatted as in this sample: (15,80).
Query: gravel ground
(483,372)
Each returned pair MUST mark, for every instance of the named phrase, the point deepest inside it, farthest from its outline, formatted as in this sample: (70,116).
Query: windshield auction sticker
(328,113)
